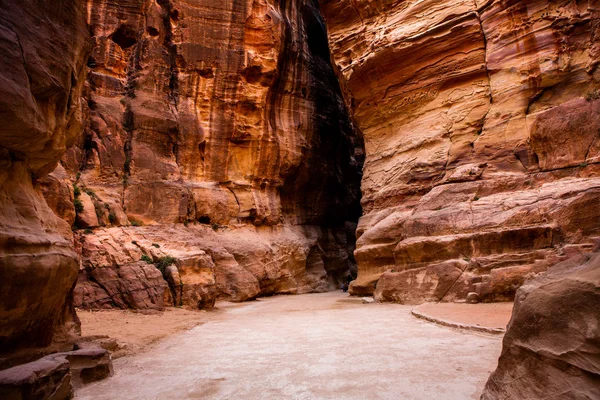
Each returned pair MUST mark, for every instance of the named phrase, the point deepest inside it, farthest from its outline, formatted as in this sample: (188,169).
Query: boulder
(552,343)
(44,379)
(54,376)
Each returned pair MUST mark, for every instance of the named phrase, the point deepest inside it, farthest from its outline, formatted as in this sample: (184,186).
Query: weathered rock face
(56,375)
(552,344)
(226,116)
(236,263)
(480,122)
(44,47)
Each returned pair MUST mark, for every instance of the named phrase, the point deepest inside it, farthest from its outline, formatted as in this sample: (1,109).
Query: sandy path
(134,331)
(319,346)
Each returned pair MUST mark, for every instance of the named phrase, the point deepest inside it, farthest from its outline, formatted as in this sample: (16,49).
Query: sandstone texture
(552,344)
(128,267)
(481,127)
(218,148)
(44,47)
(55,376)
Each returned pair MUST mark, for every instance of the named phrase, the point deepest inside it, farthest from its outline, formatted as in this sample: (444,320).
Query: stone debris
(54,377)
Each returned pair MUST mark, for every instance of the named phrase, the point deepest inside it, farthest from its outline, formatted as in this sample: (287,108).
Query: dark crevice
(125,37)
(330,174)
(168,15)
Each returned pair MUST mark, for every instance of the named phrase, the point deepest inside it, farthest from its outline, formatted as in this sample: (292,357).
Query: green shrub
(112,218)
(163,262)
(155,245)
(88,231)
(135,222)
(147,259)
(593,95)
(76,191)
(78,206)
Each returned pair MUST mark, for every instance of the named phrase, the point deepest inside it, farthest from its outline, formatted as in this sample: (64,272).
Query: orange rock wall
(226,116)
(480,121)
(44,47)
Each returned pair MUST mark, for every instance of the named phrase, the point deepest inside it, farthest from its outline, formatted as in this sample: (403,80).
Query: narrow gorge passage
(325,346)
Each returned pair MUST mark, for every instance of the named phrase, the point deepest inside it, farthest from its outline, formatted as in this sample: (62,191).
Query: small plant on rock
(135,222)
(76,191)
(156,245)
(112,218)
(593,95)
(90,193)
(147,259)
(78,206)
(163,262)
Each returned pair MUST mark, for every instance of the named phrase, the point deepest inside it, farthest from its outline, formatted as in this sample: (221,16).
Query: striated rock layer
(44,47)
(220,127)
(552,344)
(481,125)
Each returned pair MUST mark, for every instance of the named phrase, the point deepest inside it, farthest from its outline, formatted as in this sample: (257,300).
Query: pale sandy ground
(318,346)
(134,331)
(490,315)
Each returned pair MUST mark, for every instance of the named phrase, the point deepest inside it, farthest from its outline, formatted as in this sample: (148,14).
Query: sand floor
(491,315)
(135,331)
(317,346)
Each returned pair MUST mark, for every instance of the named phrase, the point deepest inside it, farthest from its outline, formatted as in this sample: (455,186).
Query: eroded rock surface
(44,48)
(54,377)
(552,344)
(480,122)
(225,117)
(237,263)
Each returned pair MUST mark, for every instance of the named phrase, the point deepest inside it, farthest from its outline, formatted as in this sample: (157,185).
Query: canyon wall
(217,138)
(481,123)
(168,153)
(44,48)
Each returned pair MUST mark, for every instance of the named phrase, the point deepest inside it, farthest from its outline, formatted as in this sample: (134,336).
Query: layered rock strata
(223,125)
(552,344)
(480,121)
(56,375)
(44,48)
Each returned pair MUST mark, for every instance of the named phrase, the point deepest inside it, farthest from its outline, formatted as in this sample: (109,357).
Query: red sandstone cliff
(206,150)
(44,47)
(481,122)
(220,128)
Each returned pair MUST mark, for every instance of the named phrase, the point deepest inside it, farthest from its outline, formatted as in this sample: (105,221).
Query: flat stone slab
(54,376)
(483,317)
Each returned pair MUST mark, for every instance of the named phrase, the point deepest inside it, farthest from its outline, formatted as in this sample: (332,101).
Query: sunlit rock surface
(224,116)
(480,122)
